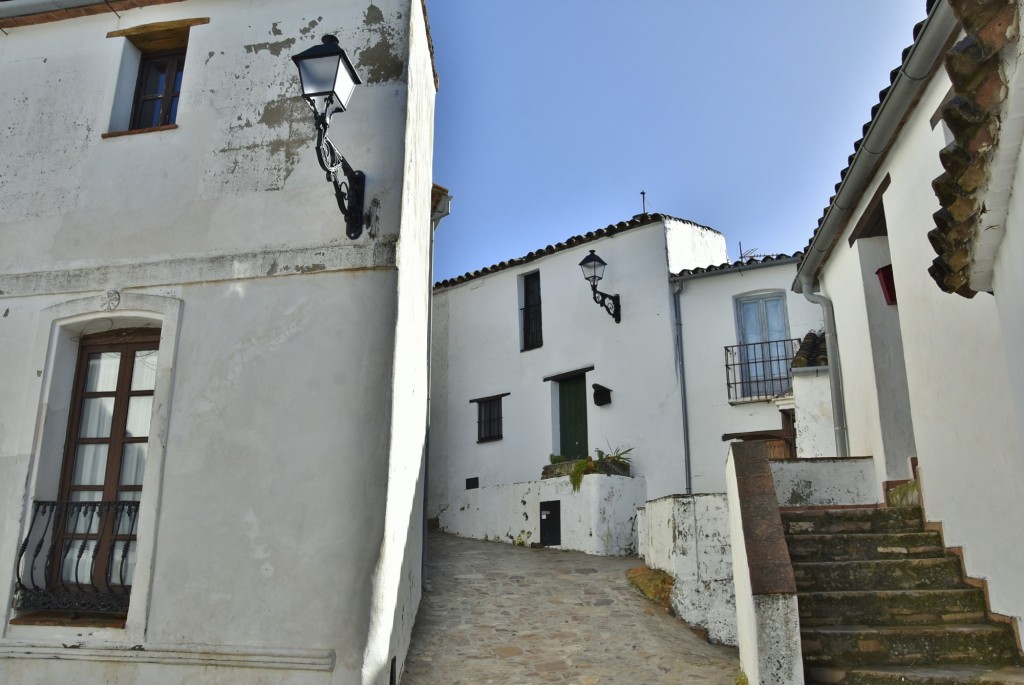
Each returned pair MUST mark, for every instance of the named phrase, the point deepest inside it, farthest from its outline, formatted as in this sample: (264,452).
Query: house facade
(526,364)
(200,477)
(740,329)
(929,346)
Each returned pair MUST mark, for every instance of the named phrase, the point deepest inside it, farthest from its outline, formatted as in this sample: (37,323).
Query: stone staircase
(881,601)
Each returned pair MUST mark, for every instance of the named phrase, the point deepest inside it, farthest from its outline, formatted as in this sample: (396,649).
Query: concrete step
(938,675)
(938,572)
(853,547)
(891,607)
(908,645)
(859,520)
(885,574)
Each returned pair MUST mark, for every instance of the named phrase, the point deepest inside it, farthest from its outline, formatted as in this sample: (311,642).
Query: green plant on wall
(612,463)
(559,459)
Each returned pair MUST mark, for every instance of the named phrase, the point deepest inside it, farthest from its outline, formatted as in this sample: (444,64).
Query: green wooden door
(572,417)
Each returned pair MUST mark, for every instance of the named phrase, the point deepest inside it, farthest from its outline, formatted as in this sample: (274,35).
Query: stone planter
(565,468)
(557,470)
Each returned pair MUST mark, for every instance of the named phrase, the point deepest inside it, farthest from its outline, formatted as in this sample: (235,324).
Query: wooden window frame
(127,343)
(167,115)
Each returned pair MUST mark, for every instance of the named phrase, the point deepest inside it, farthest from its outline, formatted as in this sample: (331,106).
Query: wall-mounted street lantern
(593,270)
(328,79)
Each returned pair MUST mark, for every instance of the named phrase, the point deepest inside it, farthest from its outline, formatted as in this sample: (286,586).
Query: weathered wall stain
(275,48)
(310,26)
(380,61)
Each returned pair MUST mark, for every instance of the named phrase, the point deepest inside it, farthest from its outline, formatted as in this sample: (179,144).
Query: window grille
(761,370)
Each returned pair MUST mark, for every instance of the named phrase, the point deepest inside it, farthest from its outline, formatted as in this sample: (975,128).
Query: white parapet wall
(599,519)
(825,482)
(812,396)
(687,536)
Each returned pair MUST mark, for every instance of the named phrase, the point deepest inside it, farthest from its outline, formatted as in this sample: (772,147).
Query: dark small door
(551,523)
(572,417)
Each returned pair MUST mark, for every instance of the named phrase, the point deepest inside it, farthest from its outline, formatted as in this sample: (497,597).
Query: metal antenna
(643,199)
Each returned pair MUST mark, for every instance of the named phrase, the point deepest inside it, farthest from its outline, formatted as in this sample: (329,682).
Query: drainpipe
(677,288)
(835,371)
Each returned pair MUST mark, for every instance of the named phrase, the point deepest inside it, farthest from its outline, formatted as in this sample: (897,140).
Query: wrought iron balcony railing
(78,557)
(759,371)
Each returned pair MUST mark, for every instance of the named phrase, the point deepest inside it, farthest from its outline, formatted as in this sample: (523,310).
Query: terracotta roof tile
(738,265)
(974,66)
(589,236)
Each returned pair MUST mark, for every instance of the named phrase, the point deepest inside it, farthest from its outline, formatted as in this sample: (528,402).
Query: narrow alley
(497,613)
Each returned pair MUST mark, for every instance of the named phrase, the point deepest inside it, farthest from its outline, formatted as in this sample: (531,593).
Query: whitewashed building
(526,364)
(213,409)
(740,328)
(926,373)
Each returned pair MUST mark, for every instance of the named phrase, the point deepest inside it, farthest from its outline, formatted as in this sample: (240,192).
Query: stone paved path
(496,613)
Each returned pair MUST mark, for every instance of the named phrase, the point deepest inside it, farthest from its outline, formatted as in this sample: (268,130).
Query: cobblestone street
(496,613)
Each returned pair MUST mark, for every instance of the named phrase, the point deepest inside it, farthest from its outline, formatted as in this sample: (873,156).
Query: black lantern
(593,270)
(328,80)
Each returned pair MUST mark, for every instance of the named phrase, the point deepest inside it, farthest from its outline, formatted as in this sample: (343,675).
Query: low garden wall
(599,519)
(687,536)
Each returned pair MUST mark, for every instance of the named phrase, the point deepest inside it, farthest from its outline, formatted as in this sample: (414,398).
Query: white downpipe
(835,370)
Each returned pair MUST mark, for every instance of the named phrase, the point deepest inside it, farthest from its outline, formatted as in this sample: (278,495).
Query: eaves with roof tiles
(882,94)
(740,265)
(977,70)
(608,231)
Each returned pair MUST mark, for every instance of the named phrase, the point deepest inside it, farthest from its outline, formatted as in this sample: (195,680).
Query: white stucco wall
(707,306)
(477,354)
(599,519)
(687,536)
(815,428)
(825,481)
(962,392)
(294,432)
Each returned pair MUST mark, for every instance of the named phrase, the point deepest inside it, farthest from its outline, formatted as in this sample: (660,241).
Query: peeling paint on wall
(275,48)
(382,60)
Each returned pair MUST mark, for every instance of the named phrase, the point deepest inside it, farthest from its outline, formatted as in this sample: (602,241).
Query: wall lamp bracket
(328,79)
(593,271)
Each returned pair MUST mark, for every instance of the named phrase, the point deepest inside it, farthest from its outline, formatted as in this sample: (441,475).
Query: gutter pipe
(677,288)
(903,94)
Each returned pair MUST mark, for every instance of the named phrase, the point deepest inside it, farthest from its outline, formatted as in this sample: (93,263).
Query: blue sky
(553,115)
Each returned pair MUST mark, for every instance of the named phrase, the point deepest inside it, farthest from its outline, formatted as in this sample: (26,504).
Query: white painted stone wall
(476,347)
(599,519)
(687,536)
(707,305)
(963,393)
(812,397)
(824,481)
(287,456)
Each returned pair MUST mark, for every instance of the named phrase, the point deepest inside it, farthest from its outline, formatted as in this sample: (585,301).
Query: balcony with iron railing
(759,371)
(78,557)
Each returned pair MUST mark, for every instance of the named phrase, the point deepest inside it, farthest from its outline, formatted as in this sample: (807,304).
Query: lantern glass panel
(319,74)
